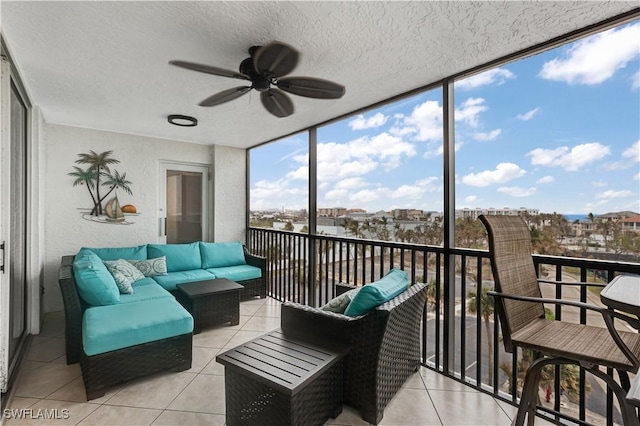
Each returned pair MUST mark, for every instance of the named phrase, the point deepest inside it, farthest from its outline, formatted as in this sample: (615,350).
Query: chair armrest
(607,315)
(343,288)
(305,322)
(573,283)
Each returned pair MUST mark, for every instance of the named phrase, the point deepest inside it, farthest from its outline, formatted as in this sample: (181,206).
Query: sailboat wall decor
(101,182)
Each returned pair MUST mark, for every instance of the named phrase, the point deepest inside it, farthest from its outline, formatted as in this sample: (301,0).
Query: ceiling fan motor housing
(258,81)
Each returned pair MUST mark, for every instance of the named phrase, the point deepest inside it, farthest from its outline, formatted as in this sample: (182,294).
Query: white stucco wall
(65,229)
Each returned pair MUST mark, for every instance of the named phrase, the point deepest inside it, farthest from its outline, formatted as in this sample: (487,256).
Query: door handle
(165,226)
(2,265)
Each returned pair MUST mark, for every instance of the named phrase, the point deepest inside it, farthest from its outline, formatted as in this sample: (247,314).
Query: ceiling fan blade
(311,87)
(277,102)
(225,96)
(275,59)
(209,69)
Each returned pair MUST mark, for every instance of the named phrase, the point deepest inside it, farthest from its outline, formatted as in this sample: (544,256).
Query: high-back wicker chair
(519,304)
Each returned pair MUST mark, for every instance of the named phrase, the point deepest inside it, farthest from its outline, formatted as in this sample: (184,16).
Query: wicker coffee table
(277,380)
(211,302)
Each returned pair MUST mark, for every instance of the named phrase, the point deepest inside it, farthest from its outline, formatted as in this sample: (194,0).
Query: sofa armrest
(254,260)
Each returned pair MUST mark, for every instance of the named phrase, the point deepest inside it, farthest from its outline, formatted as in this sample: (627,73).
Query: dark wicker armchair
(385,345)
(104,370)
(519,305)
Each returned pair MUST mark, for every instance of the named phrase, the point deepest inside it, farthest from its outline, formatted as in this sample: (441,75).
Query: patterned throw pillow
(339,303)
(151,267)
(124,274)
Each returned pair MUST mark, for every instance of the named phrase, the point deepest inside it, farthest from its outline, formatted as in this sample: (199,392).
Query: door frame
(207,196)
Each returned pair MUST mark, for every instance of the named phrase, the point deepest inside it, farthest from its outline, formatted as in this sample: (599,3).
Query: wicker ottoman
(211,302)
(277,380)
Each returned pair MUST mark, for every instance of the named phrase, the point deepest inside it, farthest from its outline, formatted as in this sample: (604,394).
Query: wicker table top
(205,288)
(282,362)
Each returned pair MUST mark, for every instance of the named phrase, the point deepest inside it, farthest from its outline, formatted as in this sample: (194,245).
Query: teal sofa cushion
(216,255)
(94,281)
(115,253)
(143,282)
(168,282)
(145,292)
(237,273)
(108,328)
(378,292)
(180,257)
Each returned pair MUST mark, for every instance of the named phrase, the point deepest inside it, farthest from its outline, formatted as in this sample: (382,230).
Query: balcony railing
(461,335)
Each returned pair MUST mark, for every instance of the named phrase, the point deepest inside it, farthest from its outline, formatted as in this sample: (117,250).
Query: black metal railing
(304,269)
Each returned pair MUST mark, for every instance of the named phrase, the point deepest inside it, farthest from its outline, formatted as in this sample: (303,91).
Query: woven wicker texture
(251,403)
(385,346)
(104,370)
(258,286)
(216,308)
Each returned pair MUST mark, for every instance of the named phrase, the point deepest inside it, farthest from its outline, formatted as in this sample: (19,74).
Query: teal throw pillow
(218,255)
(94,282)
(374,294)
(339,303)
(151,267)
(124,274)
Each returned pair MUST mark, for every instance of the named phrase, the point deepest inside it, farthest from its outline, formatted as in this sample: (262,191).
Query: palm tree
(116,181)
(85,177)
(486,310)
(99,163)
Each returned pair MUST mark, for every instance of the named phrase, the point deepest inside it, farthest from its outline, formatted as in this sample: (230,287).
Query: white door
(183,203)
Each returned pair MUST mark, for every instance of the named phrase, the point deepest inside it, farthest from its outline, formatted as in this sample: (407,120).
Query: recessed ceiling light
(182,120)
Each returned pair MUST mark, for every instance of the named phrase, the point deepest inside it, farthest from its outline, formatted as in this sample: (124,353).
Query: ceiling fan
(265,69)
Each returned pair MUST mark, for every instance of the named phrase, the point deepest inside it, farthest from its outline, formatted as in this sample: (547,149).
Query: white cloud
(351,183)
(487,136)
(301,173)
(569,159)
(596,58)
(504,172)
(469,110)
(336,195)
(546,179)
(375,120)
(516,191)
(424,123)
(493,76)
(365,196)
(598,184)
(528,115)
(611,194)
(470,198)
(633,152)
(635,81)
(268,194)
(637,177)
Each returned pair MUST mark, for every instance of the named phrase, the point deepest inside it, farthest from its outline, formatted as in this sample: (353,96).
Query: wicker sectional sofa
(118,337)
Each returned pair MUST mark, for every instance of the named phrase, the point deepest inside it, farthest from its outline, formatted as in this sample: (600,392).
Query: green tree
(288,226)
(87,178)
(486,311)
(116,181)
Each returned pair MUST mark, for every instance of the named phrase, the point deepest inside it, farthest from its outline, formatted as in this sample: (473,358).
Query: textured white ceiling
(104,65)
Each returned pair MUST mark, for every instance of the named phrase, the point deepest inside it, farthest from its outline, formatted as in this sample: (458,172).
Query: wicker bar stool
(520,308)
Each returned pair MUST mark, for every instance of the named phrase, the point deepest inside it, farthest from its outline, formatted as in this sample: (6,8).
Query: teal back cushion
(180,257)
(216,255)
(378,292)
(94,282)
(115,253)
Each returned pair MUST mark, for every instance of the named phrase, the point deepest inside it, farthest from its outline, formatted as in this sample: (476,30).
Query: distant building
(491,211)
(631,224)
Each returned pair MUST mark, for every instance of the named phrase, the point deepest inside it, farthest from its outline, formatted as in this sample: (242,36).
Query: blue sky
(559,131)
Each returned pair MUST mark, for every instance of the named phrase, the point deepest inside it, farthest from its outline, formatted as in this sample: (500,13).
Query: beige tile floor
(196,396)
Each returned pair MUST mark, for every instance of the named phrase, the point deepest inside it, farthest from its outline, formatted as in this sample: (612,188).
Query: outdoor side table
(278,380)
(211,302)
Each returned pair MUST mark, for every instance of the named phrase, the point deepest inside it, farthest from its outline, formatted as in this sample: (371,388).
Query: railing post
(448,342)
(313,201)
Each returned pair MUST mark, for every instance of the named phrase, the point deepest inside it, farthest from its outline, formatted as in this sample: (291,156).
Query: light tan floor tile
(46,349)
(45,379)
(242,321)
(122,416)
(75,391)
(255,301)
(214,367)
(249,309)
(468,408)
(213,338)
(269,311)
(53,325)
(172,418)
(437,381)
(205,394)
(20,402)
(262,324)
(410,407)
(201,358)
(349,416)
(414,382)
(242,337)
(49,412)
(156,391)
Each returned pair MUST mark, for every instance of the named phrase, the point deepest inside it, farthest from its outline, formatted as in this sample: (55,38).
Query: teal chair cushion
(115,253)
(94,282)
(215,255)
(378,292)
(145,292)
(180,257)
(169,281)
(108,328)
(237,273)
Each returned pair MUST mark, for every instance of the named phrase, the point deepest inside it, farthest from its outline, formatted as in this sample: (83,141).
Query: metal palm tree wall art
(97,176)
